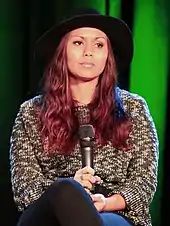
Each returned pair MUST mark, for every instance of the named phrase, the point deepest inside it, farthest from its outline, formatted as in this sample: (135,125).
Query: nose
(88,50)
(87,54)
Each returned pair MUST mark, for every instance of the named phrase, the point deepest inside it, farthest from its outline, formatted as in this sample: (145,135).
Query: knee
(63,190)
(64,186)
(65,183)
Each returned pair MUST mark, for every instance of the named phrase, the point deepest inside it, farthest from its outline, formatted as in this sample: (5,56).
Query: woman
(81,57)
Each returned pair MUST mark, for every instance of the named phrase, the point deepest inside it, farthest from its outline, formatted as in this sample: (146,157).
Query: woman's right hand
(86,178)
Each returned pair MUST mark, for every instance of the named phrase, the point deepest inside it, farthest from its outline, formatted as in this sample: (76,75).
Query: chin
(87,78)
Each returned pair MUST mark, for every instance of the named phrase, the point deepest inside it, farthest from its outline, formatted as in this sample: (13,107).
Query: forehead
(88,31)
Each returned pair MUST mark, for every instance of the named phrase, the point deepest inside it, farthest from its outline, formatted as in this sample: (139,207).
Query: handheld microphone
(86,135)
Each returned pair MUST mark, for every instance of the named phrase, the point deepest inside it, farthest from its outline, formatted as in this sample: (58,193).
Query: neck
(82,91)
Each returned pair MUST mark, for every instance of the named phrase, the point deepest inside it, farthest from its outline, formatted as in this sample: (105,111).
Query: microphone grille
(86,131)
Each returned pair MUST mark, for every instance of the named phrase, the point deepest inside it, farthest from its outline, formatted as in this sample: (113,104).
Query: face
(87,52)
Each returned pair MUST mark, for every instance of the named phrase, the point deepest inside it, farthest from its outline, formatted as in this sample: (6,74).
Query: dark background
(21,24)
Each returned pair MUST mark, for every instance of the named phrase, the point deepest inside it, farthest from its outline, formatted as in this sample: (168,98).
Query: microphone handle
(87,156)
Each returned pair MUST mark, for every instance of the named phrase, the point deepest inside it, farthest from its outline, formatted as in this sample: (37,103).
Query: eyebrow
(84,37)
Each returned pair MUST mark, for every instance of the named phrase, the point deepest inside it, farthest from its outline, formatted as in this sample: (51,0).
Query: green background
(22,22)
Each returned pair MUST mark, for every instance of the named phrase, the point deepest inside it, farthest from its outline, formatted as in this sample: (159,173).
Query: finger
(97,197)
(92,197)
(88,177)
(98,179)
(88,169)
(78,175)
(86,184)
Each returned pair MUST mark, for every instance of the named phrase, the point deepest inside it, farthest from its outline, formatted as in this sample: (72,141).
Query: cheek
(102,60)
(73,60)
(73,56)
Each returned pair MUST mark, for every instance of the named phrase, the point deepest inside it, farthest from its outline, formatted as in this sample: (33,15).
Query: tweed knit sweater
(133,174)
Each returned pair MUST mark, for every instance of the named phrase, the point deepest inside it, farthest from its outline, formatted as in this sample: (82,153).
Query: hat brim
(117,31)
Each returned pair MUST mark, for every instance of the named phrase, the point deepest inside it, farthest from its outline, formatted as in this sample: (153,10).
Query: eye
(78,43)
(99,45)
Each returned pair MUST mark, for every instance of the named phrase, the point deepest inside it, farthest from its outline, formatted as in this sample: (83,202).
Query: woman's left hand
(99,201)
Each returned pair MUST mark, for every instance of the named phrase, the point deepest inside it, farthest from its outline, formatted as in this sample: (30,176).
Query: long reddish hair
(59,123)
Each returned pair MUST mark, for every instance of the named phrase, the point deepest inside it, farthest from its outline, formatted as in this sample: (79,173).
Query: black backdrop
(22,22)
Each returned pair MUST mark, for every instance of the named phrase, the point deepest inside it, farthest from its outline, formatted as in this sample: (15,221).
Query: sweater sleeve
(28,181)
(141,183)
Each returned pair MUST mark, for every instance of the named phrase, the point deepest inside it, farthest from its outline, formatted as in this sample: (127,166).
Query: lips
(87,65)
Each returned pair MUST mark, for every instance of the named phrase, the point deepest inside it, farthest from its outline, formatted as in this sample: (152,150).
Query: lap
(113,219)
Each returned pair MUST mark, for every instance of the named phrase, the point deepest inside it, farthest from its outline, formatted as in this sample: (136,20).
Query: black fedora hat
(117,31)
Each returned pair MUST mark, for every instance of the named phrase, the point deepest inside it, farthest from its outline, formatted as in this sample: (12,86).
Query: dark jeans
(66,203)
